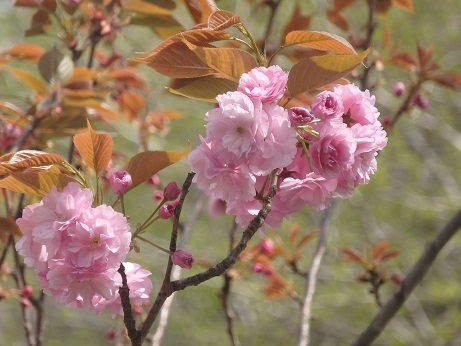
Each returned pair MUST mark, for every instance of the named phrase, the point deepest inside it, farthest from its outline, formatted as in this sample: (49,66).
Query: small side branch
(311,277)
(413,278)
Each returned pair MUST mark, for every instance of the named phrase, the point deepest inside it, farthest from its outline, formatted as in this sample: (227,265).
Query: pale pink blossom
(216,207)
(264,83)
(328,106)
(333,152)
(359,106)
(140,287)
(398,89)
(120,181)
(299,116)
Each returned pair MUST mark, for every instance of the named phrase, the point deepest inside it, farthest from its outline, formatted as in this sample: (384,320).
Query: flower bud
(166,211)
(171,191)
(27,291)
(120,182)
(153,180)
(183,259)
(299,116)
(419,101)
(267,247)
(398,89)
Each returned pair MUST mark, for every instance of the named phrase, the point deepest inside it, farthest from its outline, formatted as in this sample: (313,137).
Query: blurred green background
(416,190)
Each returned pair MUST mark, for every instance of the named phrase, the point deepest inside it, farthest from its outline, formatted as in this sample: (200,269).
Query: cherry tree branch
(311,277)
(413,278)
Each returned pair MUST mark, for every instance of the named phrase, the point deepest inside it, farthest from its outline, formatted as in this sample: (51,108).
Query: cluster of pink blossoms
(77,249)
(323,152)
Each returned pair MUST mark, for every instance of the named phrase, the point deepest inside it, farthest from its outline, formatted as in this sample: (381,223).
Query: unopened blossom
(166,211)
(299,116)
(398,89)
(264,83)
(171,191)
(267,246)
(120,181)
(419,101)
(153,180)
(182,258)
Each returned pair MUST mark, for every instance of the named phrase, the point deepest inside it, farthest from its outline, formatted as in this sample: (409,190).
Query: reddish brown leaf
(293,232)
(131,104)
(341,4)
(407,5)
(379,249)
(337,18)
(352,254)
(26,51)
(8,226)
(424,56)
(144,165)
(204,88)
(448,79)
(230,62)
(315,72)
(297,22)
(404,60)
(145,7)
(323,41)
(128,76)
(10,108)
(28,79)
(95,148)
(276,288)
(306,239)
(221,19)
(21,160)
(388,255)
(199,9)
(382,6)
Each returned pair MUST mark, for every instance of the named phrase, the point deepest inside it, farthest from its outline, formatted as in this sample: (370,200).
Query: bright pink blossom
(166,211)
(171,191)
(359,106)
(264,83)
(328,106)
(120,181)
(267,246)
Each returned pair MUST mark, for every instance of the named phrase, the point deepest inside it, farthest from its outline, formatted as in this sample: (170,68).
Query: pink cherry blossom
(299,116)
(140,287)
(359,106)
(120,181)
(328,106)
(264,83)
(216,207)
(166,211)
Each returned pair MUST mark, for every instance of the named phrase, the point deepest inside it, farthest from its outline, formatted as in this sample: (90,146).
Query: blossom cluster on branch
(76,250)
(322,153)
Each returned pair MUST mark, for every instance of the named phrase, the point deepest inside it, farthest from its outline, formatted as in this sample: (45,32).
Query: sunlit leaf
(306,239)
(26,51)
(199,9)
(144,7)
(8,226)
(82,73)
(24,159)
(104,111)
(177,61)
(36,182)
(55,66)
(144,165)
(315,72)
(230,62)
(221,19)
(205,88)
(352,254)
(95,148)
(379,249)
(28,79)
(323,41)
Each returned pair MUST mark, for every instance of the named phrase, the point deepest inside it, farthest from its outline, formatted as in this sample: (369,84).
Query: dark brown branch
(226,263)
(371,26)
(128,318)
(413,278)
(273,5)
(225,294)
(165,290)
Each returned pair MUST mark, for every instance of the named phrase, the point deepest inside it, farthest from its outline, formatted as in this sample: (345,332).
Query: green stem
(254,46)
(153,244)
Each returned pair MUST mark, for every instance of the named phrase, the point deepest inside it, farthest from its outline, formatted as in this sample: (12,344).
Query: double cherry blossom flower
(322,153)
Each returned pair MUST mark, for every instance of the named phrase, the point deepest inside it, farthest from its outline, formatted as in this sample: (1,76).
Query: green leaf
(144,165)
(95,148)
(205,88)
(317,71)
(55,66)
(319,40)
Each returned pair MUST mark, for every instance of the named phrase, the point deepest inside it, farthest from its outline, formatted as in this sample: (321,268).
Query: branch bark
(413,278)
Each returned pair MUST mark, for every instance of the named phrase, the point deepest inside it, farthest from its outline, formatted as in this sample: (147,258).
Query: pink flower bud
(27,291)
(182,258)
(166,211)
(158,196)
(138,310)
(257,267)
(397,279)
(120,182)
(171,191)
(398,89)
(419,101)
(25,302)
(154,180)
(267,247)
(299,116)
(110,335)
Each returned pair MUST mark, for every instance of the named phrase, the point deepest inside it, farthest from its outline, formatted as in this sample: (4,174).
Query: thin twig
(175,275)
(311,279)
(225,294)
(371,26)
(273,5)
(413,278)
